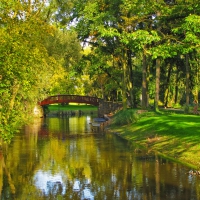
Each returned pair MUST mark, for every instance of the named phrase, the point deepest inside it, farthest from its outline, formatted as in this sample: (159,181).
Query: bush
(125,117)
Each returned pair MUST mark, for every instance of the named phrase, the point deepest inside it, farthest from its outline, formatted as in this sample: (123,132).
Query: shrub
(125,117)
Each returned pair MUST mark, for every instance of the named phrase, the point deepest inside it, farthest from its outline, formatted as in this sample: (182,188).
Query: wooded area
(118,50)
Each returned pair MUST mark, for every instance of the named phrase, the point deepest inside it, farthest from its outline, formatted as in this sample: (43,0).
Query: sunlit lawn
(175,135)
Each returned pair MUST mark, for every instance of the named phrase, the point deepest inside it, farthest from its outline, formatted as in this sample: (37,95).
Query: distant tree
(65,48)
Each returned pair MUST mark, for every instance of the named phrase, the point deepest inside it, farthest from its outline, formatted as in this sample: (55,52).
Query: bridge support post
(101,108)
(45,110)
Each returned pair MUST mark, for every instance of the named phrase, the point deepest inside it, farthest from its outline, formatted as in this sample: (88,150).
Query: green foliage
(190,30)
(35,60)
(125,117)
(177,106)
(23,62)
(138,39)
(122,31)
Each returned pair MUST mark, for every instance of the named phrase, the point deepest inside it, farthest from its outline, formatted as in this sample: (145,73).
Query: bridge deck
(69,99)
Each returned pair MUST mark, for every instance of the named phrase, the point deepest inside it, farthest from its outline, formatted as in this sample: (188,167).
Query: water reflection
(50,183)
(60,158)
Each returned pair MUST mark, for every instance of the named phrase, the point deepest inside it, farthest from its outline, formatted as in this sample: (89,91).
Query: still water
(61,158)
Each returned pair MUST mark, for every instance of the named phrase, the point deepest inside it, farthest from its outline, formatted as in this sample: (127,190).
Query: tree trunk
(176,88)
(167,85)
(130,78)
(157,86)
(187,80)
(124,81)
(148,79)
(15,90)
(196,91)
(144,83)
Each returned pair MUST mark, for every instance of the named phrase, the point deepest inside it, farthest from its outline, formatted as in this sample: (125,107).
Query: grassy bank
(72,107)
(172,134)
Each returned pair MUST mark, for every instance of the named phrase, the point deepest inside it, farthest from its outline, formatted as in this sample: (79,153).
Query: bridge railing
(70,98)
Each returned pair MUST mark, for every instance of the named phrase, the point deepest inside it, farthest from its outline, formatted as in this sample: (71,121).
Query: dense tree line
(140,47)
(35,57)
(131,50)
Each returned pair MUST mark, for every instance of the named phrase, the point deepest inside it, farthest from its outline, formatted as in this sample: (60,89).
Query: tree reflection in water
(45,162)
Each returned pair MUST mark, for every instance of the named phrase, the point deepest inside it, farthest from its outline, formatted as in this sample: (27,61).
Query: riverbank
(174,135)
(70,109)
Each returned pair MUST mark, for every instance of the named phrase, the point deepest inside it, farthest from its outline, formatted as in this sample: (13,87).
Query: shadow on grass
(177,135)
(178,125)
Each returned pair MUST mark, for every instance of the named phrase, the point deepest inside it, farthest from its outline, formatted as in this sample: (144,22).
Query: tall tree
(157,85)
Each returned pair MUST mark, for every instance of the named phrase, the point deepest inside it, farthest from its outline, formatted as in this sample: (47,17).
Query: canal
(62,158)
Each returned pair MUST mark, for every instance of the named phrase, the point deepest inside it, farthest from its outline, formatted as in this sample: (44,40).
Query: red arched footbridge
(104,107)
(70,99)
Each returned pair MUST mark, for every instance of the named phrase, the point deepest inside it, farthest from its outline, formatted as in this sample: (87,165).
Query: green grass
(82,107)
(173,134)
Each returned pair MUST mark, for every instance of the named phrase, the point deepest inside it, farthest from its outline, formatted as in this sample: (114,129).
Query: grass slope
(174,135)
